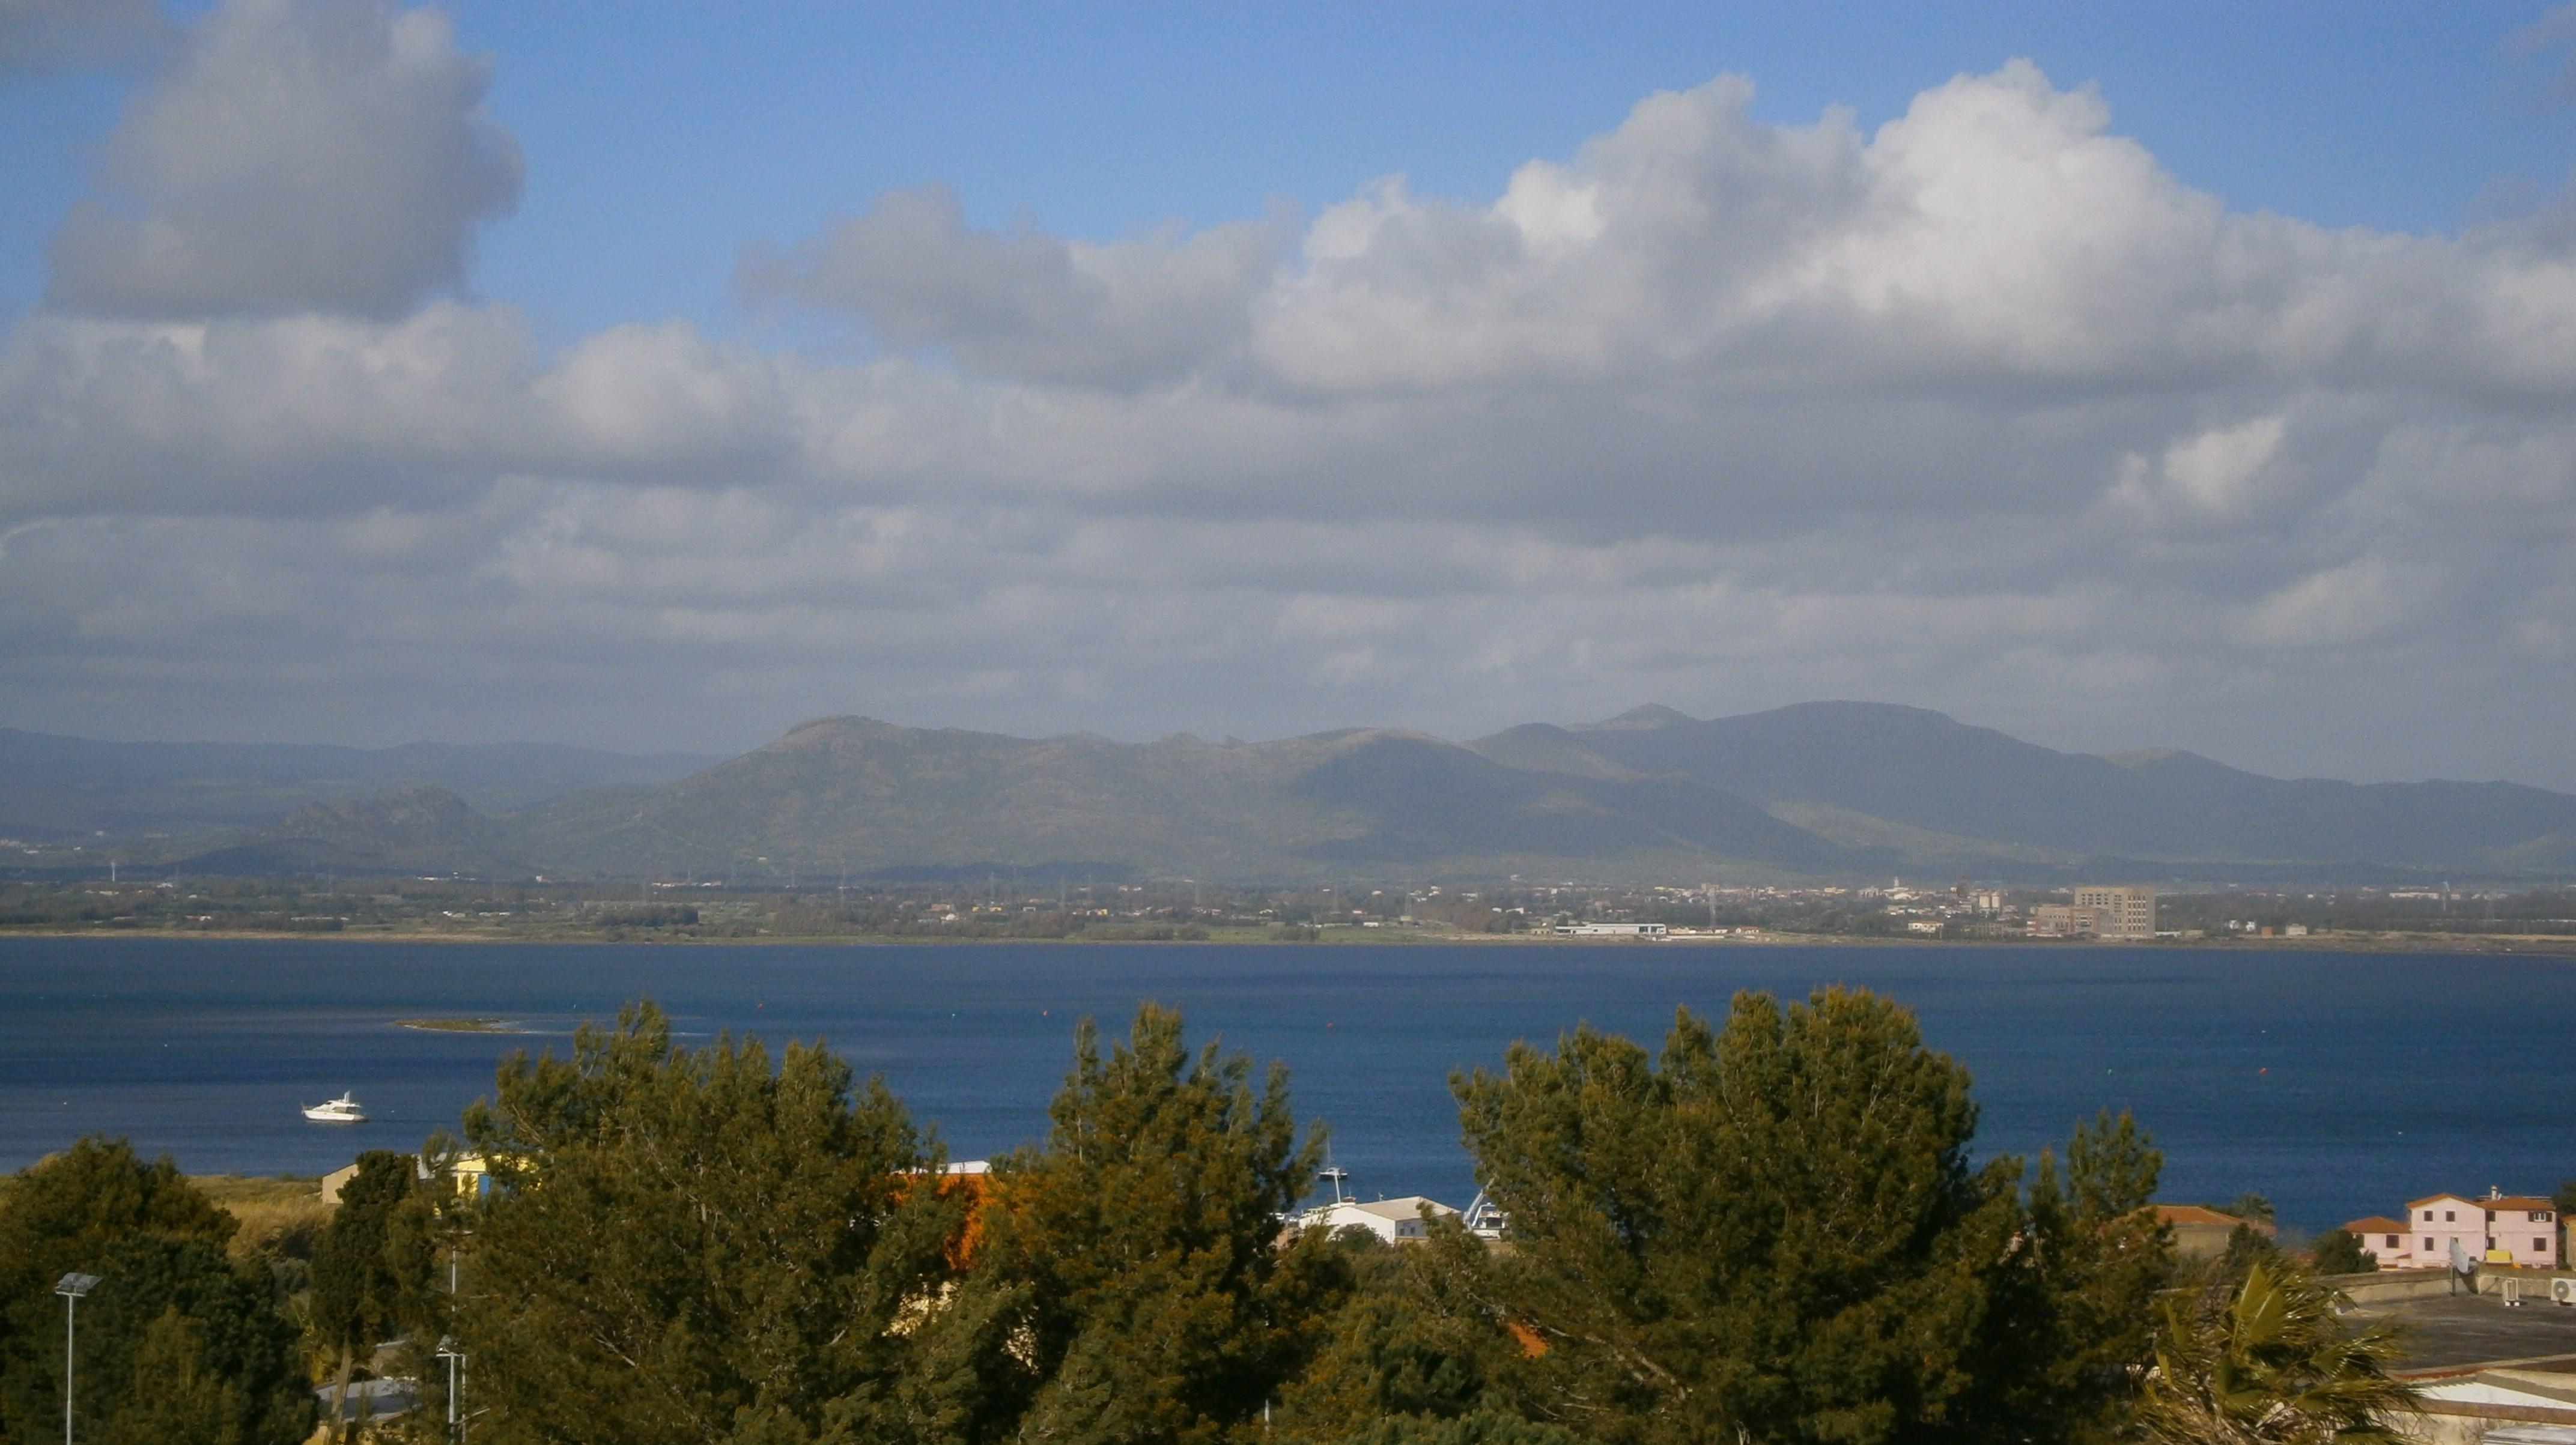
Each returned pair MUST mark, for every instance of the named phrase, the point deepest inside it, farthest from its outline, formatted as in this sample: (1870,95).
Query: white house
(1396,1221)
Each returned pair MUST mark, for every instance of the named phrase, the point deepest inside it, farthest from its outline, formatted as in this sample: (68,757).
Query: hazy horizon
(722,754)
(376,373)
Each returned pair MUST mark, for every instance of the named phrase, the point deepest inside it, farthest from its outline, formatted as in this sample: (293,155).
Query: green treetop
(1131,1284)
(1774,1233)
(690,1244)
(358,1288)
(176,1342)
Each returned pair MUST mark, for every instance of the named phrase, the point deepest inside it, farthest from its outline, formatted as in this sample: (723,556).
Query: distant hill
(1820,790)
(409,830)
(864,796)
(1948,794)
(56,788)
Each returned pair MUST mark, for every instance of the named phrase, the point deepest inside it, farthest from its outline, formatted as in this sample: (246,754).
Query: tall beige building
(2119,911)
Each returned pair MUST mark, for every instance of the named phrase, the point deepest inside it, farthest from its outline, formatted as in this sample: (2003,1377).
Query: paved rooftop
(2451,1331)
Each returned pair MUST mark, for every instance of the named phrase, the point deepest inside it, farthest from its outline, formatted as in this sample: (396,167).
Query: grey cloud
(42,36)
(259,416)
(1025,304)
(570,608)
(304,156)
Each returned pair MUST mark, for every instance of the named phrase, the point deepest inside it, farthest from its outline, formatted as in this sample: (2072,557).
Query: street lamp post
(453,1356)
(448,1349)
(71,1288)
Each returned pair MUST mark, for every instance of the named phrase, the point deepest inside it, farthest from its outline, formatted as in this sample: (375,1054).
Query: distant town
(998,906)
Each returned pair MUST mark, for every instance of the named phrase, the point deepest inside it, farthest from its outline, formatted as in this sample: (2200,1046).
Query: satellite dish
(2460,1260)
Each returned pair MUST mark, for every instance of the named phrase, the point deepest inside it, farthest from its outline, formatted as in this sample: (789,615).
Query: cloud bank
(307,155)
(1982,409)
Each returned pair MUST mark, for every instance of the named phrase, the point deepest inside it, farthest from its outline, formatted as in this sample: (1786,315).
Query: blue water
(2338,1085)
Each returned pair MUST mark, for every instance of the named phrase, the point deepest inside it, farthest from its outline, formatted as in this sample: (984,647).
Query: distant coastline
(461,1026)
(2518,945)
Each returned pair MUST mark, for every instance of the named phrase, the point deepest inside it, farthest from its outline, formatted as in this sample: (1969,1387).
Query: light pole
(447,1347)
(71,1288)
(453,1356)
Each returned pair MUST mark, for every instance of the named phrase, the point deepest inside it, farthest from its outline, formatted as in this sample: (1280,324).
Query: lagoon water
(2337,1084)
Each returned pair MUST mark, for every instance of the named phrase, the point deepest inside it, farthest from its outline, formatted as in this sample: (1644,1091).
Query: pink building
(2516,1229)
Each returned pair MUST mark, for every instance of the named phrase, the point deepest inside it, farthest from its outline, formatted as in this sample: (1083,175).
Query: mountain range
(161,798)
(1813,791)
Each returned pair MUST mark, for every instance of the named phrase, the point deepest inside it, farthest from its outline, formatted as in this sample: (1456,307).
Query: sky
(659,376)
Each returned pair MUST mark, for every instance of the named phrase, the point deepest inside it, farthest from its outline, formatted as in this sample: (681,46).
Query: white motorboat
(342,1110)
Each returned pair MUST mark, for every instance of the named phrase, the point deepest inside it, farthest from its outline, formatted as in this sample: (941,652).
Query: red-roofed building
(2202,1233)
(2386,1238)
(2499,1228)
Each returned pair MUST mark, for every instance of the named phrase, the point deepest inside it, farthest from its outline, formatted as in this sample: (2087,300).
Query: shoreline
(2466,945)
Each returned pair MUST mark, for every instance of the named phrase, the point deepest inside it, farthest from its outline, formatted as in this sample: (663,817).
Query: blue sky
(660,375)
(685,131)
(660,136)
(680,130)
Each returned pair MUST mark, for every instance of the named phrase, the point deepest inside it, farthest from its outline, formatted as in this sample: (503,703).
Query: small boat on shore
(342,1110)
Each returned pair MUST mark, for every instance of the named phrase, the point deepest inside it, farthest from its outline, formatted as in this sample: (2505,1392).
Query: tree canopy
(175,1342)
(359,1265)
(1132,1287)
(694,1244)
(1774,1232)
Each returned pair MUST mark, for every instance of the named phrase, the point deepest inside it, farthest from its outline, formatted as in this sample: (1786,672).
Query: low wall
(2534,1282)
(2382,1286)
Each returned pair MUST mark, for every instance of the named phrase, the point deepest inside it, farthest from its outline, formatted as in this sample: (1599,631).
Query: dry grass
(279,1215)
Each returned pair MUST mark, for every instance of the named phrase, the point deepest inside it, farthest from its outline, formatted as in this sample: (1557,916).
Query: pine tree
(1132,1286)
(1774,1233)
(690,1244)
(1391,1358)
(2073,1312)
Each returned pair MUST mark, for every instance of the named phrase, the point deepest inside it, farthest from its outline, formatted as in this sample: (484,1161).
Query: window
(2540,1216)
(2540,1246)
(2392,1241)
(2428,1246)
(2428,1216)
(2449,1216)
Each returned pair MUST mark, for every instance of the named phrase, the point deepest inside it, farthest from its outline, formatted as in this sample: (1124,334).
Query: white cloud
(306,155)
(1982,410)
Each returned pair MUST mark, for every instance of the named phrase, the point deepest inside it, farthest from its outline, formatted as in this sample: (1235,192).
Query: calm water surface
(2337,1084)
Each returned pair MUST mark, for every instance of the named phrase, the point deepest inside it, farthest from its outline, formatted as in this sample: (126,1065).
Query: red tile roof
(2525,1202)
(2377,1224)
(2195,1214)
